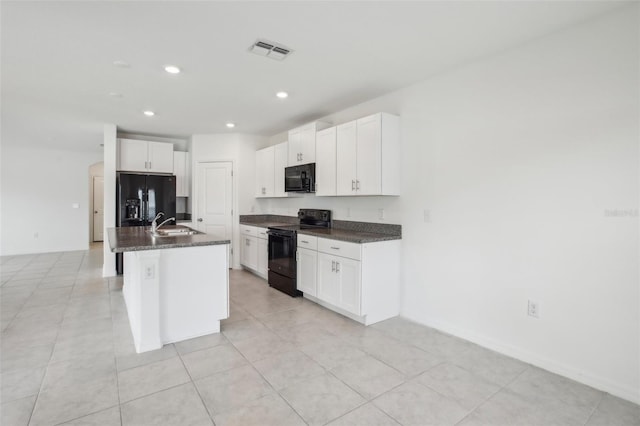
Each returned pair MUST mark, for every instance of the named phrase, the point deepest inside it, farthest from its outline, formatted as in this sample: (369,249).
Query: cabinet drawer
(308,241)
(339,248)
(261,232)
(248,230)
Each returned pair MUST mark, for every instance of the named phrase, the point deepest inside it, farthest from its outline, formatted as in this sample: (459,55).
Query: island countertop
(137,238)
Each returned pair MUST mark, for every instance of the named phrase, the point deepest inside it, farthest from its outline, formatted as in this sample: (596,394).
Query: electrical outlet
(533,309)
(381,214)
(149,272)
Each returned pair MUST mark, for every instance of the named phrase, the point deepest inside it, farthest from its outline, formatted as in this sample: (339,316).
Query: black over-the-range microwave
(300,178)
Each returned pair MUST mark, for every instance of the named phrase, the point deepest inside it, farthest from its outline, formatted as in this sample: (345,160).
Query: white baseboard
(581,376)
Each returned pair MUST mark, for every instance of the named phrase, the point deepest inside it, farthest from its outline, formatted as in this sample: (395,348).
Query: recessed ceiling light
(149,113)
(121,64)
(231,125)
(172,69)
(282,95)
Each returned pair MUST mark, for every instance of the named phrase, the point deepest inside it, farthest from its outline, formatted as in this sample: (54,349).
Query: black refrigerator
(139,198)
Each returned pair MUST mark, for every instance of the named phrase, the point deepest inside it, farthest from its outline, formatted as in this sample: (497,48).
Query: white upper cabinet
(265,178)
(145,156)
(368,156)
(279,163)
(302,143)
(160,157)
(181,170)
(326,162)
(346,159)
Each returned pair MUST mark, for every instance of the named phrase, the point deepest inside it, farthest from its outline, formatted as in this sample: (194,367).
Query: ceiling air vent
(270,50)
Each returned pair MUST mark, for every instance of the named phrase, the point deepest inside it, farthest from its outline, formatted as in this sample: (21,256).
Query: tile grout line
(503,387)
(192,381)
(264,378)
(595,408)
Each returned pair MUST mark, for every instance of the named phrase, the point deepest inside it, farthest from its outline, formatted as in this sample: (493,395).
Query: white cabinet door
(265,172)
(346,158)
(160,157)
(349,284)
(249,252)
(308,144)
(326,162)
(294,147)
(369,156)
(327,284)
(279,163)
(133,155)
(307,271)
(263,256)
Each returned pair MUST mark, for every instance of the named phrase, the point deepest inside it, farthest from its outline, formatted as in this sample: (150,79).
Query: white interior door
(98,208)
(214,203)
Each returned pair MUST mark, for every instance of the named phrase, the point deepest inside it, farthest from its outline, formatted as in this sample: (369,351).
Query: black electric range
(283,245)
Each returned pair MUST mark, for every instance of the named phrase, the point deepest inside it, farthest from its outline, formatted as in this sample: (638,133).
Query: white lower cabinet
(254,252)
(307,265)
(360,281)
(249,252)
(339,282)
(263,256)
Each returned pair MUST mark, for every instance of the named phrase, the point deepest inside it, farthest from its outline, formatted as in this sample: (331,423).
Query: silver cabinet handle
(357,185)
(301,156)
(335,248)
(337,266)
(247,242)
(333,266)
(150,165)
(302,241)
(353,185)
(199,219)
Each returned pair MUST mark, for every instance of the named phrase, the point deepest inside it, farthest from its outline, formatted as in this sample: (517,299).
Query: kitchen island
(176,286)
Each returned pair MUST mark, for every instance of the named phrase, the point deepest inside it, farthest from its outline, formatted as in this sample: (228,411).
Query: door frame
(93,208)
(234,262)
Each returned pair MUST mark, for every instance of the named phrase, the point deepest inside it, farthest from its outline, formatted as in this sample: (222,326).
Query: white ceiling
(57,60)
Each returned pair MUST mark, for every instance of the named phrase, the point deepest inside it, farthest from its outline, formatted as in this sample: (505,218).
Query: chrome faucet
(154,223)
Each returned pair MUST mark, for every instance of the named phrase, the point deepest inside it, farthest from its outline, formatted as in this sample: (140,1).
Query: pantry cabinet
(265,177)
(368,156)
(145,156)
(326,162)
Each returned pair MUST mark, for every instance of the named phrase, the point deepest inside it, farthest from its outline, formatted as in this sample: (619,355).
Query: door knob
(199,219)
(95,211)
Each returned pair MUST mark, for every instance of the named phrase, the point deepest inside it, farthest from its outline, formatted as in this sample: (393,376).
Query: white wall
(521,158)
(39,188)
(240,150)
(110,160)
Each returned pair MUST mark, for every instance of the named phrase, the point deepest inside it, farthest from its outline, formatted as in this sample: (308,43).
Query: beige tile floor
(67,357)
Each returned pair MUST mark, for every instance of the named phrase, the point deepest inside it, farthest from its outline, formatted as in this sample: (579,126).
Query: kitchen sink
(175,232)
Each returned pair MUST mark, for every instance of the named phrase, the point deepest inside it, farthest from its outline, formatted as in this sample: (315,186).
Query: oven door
(282,253)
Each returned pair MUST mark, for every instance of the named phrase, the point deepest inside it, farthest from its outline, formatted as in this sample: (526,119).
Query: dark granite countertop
(354,232)
(349,236)
(137,238)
